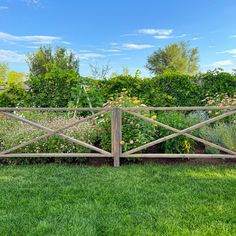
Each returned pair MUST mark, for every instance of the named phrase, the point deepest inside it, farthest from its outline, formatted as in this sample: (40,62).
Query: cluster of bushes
(54,81)
(135,131)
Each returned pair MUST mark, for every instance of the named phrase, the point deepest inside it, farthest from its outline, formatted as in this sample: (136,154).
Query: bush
(114,86)
(13,133)
(221,100)
(135,131)
(217,82)
(13,96)
(52,89)
(86,91)
(173,89)
(221,134)
(175,119)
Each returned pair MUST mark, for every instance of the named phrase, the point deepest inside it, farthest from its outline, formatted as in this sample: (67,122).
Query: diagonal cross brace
(181,132)
(52,132)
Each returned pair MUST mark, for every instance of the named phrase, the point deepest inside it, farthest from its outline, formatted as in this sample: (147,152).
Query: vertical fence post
(116,135)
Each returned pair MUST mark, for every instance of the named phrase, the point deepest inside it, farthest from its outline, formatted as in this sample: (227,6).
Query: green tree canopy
(13,93)
(177,57)
(45,58)
(52,76)
(3,73)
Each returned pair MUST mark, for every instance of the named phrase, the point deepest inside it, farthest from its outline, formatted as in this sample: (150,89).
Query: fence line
(116,133)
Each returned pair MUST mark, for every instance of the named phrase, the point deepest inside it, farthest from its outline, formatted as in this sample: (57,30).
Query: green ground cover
(130,200)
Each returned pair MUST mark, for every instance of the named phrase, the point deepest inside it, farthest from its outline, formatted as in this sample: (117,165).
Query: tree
(52,76)
(98,72)
(13,93)
(44,59)
(3,73)
(178,57)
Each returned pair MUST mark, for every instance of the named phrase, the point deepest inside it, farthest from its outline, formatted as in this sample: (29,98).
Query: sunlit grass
(130,200)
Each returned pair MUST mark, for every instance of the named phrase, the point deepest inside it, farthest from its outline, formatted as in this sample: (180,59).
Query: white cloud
(90,56)
(32,39)
(113,44)
(168,36)
(163,37)
(155,31)
(11,56)
(127,35)
(110,50)
(66,42)
(221,63)
(126,58)
(117,54)
(34,47)
(234,36)
(84,51)
(196,38)
(181,36)
(32,2)
(3,8)
(230,51)
(136,46)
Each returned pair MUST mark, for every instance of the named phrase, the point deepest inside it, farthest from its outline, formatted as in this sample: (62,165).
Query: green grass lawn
(130,200)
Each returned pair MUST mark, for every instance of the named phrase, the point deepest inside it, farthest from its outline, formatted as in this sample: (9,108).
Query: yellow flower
(87,89)
(155,125)
(187,146)
(122,142)
(154,117)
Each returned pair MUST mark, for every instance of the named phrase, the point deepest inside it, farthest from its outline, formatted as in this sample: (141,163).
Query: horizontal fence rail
(116,133)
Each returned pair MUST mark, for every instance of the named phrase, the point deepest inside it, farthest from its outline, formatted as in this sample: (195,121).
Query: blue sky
(120,33)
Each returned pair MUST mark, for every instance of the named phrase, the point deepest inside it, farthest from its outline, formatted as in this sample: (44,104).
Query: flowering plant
(135,131)
(221,100)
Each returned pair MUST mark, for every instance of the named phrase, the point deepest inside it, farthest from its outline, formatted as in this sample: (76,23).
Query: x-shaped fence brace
(132,153)
(57,132)
(116,127)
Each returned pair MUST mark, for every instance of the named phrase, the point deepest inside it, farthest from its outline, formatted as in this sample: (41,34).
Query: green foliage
(13,133)
(217,82)
(52,77)
(175,57)
(221,100)
(45,59)
(221,134)
(135,131)
(114,86)
(172,89)
(3,73)
(132,200)
(53,89)
(13,93)
(179,121)
(13,96)
(86,91)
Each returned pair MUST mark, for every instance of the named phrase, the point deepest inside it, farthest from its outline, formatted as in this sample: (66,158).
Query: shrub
(217,81)
(174,89)
(52,89)
(221,134)
(86,92)
(135,131)
(13,133)
(175,119)
(13,96)
(221,100)
(113,87)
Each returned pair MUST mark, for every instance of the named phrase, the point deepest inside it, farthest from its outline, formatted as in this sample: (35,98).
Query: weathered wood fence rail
(116,133)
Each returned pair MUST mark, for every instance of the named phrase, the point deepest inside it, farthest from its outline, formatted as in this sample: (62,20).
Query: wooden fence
(116,133)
